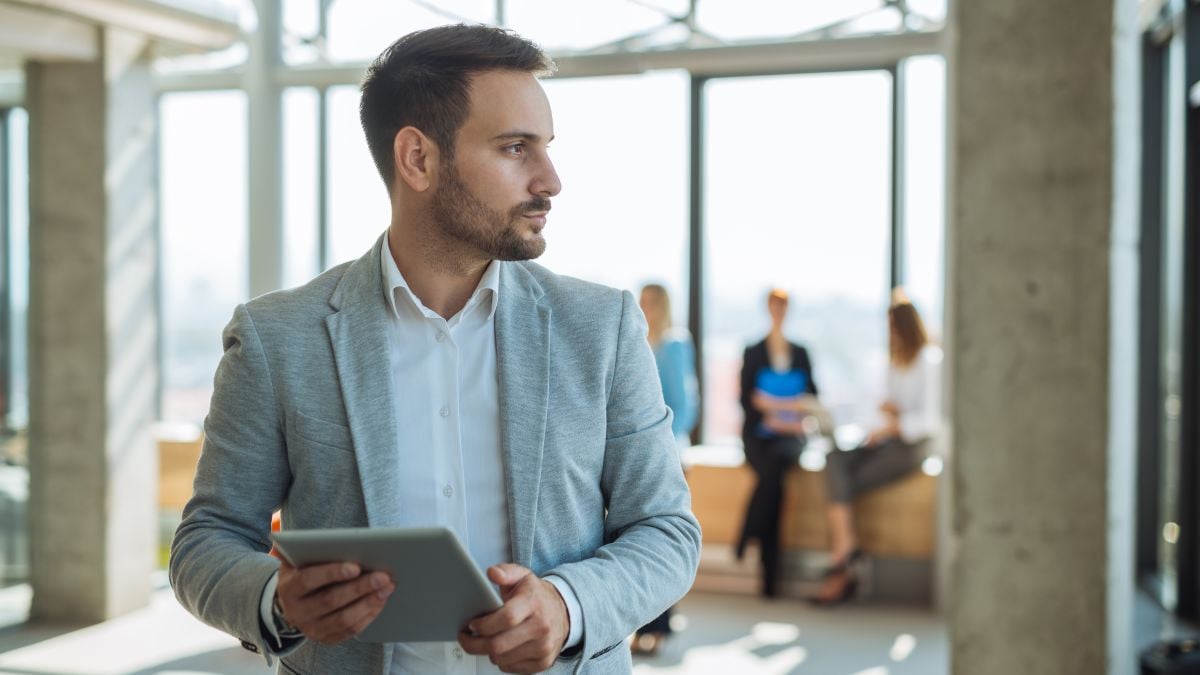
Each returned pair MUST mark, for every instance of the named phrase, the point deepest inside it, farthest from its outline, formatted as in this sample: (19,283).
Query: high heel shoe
(847,592)
(844,565)
(849,588)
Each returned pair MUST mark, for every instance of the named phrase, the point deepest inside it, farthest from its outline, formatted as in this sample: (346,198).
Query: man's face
(495,193)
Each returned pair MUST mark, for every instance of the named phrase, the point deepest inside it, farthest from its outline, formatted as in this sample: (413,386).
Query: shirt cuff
(264,610)
(574,610)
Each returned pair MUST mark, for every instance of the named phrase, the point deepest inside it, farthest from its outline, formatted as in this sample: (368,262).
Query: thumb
(507,575)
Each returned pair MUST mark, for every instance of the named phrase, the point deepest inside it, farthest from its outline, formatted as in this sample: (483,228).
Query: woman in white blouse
(910,420)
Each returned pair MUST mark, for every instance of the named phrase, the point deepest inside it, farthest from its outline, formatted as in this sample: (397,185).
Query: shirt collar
(393,280)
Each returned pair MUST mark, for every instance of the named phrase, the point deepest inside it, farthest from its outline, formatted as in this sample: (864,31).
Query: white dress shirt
(916,391)
(447,411)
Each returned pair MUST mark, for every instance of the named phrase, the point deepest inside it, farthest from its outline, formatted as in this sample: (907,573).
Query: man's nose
(547,183)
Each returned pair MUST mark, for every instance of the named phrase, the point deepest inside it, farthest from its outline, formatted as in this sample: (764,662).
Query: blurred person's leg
(752,522)
(839,485)
(848,475)
(779,461)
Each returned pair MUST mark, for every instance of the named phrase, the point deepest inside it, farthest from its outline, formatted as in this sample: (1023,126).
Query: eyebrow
(525,135)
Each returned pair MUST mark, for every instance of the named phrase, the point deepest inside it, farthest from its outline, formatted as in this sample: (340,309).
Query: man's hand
(331,603)
(527,634)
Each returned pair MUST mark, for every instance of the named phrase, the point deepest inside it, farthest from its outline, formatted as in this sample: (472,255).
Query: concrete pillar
(1038,252)
(93,332)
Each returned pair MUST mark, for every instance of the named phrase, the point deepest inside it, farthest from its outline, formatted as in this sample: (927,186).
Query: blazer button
(250,646)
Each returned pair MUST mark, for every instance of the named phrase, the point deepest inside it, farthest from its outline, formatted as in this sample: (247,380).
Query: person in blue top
(675,357)
(676,360)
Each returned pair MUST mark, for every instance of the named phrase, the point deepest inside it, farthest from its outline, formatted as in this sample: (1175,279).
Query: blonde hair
(659,292)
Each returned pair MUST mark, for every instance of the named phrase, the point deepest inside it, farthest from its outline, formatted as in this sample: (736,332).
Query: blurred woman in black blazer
(778,391)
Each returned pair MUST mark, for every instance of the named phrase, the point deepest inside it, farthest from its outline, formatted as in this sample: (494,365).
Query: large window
(621,153)
(797,196)
(301,197)
(204,240)
(923,214)
(359,209)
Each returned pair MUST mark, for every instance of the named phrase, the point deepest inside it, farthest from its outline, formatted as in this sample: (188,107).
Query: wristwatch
(283,629)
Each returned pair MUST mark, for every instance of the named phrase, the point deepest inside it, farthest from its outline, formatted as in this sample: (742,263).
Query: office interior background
(1027,171)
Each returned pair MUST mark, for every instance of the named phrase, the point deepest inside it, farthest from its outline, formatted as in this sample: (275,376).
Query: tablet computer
(438,587)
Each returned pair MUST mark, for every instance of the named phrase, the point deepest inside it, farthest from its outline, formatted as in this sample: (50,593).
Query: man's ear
(415,156)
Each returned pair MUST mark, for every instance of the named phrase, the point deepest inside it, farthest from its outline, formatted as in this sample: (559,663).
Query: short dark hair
(423,80)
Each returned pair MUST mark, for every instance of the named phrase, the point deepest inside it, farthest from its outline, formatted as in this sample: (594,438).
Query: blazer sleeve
(800,357)
(653,540)
(219,563)
(749,371)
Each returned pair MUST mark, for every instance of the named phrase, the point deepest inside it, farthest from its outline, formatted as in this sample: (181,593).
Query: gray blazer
(301,419)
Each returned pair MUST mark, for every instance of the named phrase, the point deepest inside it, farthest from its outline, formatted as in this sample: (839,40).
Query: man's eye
(515,149)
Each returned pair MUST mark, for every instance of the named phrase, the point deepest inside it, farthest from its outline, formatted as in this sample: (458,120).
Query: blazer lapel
(358,332)
(523,370)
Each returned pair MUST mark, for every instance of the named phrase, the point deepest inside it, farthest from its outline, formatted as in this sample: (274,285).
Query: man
(442,379)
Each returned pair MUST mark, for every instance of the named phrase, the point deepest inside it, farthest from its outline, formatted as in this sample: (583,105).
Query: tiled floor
(723,634)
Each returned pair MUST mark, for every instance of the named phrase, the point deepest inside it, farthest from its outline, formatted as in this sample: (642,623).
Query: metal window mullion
(265,149)
(1188,550)
(898,242)
(322,179)
(696,238)
(1149,485)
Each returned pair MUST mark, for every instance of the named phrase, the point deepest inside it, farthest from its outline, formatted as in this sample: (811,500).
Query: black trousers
(771,459)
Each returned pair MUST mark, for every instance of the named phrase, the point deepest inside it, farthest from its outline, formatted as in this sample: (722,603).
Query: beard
(463,217)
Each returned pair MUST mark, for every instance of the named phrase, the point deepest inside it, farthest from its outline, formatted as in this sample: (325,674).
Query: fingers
(515,611)
(304,580)
(333,602)
(349,621)
(528,632)
(523,650)
(507,574)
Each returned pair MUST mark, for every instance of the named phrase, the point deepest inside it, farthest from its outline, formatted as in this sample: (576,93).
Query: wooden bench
(177,460)
(894,523)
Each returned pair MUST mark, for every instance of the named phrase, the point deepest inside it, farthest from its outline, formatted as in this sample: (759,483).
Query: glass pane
(230,57)
(797,195)
(617,221)
(301,22)
(747,19)
(557,25)
(360,29)
(359,210)
(300,236)
(14,474)
(925,185)
(204,231)
(1171,373)
(18,266)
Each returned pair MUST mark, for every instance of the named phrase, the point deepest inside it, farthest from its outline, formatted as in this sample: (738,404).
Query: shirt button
(441,336)
(445,411)
(458,652)
(448,491)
